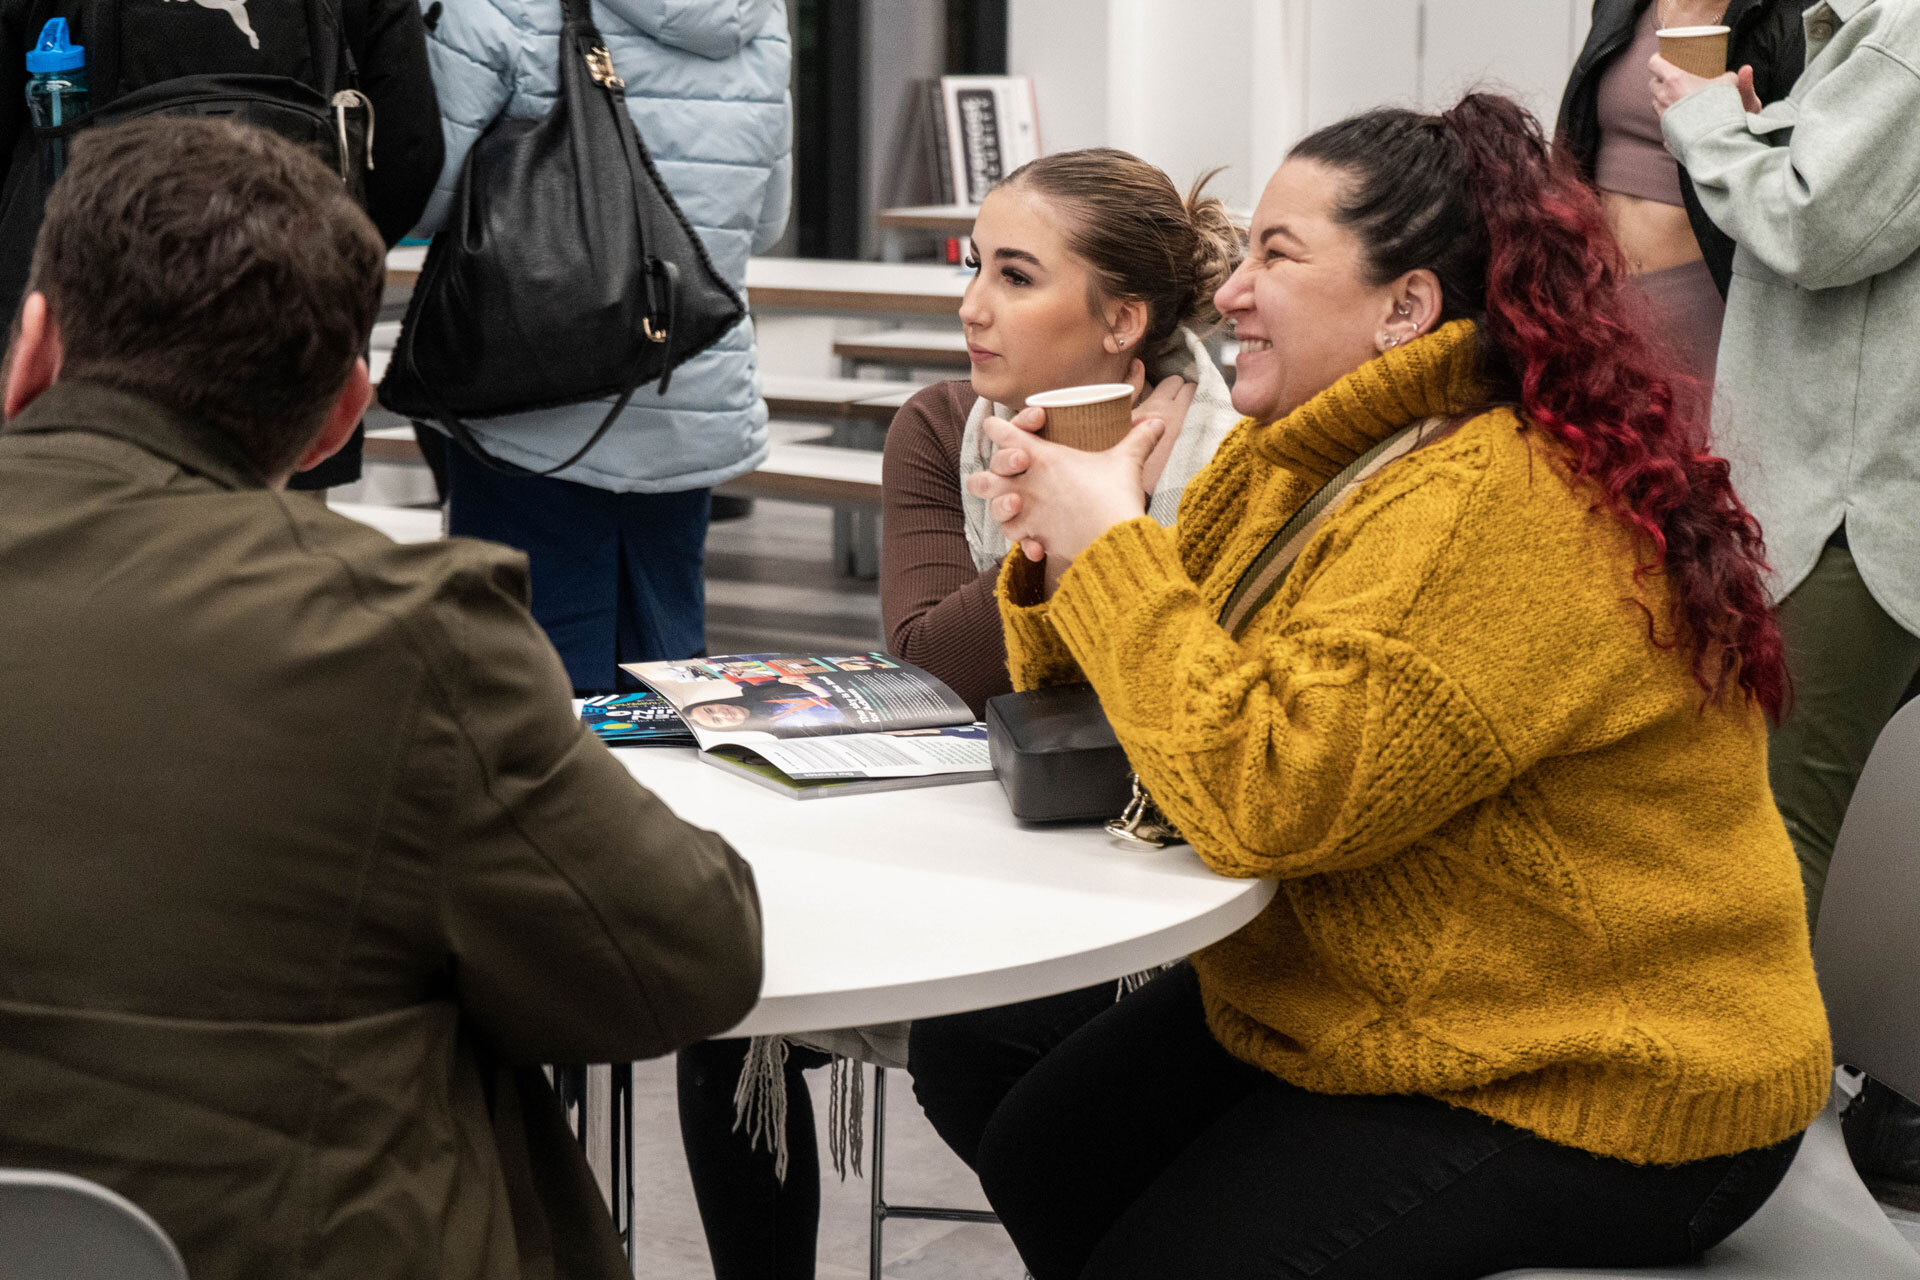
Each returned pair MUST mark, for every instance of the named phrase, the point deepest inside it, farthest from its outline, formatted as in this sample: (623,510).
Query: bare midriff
(1653,235)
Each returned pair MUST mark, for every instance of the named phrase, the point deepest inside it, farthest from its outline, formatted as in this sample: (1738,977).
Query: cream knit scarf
(1209,419)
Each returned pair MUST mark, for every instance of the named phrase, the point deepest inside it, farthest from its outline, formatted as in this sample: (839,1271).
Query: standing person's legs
(571,539)
(964,1064)
(1852,668)
(758,1227)
(1140,1148)
(663,589)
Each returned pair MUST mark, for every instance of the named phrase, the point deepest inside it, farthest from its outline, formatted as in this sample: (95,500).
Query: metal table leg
(879,1208)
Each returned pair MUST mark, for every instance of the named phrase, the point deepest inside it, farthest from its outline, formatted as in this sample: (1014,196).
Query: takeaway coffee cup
(1701,50)
(1091,417)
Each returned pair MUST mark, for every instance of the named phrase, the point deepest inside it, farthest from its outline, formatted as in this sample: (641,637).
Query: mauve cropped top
(1633,158)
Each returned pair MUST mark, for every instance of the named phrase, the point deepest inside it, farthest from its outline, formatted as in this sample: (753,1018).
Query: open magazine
(810,726)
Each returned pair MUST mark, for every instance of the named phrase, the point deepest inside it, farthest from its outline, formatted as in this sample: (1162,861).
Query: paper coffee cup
(1091,417)
(1701,50)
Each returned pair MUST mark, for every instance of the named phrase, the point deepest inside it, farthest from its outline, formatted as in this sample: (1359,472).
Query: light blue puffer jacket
(707,87)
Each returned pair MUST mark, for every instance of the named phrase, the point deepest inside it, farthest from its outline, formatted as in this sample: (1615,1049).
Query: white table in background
(831,286)
(911,904)
(404,263)
(938,219)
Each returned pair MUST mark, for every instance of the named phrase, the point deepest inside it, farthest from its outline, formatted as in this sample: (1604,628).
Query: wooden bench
(797,469)
(907,349)
(814,473)
(397,444)
(835,399)
(392,444)
(402,524)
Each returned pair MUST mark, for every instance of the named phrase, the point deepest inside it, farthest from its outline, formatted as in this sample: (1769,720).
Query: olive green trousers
(1852,668)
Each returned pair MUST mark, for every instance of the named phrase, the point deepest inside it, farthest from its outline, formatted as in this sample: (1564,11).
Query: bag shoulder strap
(1264,577)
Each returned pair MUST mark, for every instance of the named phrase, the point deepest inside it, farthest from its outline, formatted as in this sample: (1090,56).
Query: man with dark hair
(305,861)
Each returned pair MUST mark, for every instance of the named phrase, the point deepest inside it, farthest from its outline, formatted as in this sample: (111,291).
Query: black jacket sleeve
(390,45)
(15,17)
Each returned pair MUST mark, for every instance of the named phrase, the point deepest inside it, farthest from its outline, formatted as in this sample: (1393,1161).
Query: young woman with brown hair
(1091,268)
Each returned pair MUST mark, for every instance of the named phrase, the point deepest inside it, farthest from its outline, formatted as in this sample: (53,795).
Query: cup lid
(1092,393)
(1686,33)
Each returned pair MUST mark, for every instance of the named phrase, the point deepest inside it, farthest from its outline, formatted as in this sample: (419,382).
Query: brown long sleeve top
(939,611)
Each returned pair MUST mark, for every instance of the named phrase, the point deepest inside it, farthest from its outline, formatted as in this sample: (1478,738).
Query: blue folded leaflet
(635,719)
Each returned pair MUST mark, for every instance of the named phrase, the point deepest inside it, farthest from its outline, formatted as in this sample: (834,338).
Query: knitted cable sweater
(1523,868)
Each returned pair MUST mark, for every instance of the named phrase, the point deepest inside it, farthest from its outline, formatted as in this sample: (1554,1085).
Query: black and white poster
(991,131)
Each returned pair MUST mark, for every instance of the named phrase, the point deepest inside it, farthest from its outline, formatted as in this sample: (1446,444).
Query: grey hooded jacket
(707,88)
(1818,400)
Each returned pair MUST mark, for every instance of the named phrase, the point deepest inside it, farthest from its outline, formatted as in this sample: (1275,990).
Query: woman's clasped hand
(1052,500)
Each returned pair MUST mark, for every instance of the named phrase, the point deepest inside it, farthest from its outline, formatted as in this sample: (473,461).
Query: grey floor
(919,1170)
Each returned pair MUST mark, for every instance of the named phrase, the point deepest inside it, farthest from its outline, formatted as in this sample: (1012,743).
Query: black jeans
(757,1227)
(963,1064)
(1140,1148)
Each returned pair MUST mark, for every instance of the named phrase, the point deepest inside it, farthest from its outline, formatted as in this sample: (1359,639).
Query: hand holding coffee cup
(1673,83)
(1052,499)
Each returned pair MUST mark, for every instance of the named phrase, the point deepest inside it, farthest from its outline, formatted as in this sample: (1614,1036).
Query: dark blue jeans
(617,577)
(1140,1148)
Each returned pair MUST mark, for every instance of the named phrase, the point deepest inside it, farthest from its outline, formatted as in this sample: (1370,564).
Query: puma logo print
(235,9)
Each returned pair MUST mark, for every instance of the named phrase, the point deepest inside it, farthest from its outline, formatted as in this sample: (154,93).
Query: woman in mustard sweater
(1536,989)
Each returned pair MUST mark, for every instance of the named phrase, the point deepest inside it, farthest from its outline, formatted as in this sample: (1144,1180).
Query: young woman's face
(1302,304)
(1028,323)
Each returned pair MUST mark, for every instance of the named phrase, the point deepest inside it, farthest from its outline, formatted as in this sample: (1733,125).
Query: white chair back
(1868,939)
(57,1227)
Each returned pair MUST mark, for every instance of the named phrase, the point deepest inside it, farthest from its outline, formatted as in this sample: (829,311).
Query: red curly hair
(1519,245)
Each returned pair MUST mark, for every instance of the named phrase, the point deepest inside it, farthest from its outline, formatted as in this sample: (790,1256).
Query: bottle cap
(53,53)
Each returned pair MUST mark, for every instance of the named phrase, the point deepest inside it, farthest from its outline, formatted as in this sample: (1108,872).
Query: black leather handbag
(565,273)
(1056,756)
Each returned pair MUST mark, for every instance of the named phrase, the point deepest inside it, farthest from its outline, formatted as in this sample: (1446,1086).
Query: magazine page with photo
(822,724)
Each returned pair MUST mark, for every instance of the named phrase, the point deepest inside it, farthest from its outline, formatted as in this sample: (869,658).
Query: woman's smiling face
(1029,312)
(1303,303)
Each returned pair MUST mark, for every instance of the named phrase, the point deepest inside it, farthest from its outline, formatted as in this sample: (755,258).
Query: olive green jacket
(304,861)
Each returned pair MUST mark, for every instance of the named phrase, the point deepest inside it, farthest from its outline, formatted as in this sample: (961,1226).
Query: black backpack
(285,65)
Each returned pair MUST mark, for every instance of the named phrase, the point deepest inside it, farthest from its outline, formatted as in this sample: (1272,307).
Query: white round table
(934,900)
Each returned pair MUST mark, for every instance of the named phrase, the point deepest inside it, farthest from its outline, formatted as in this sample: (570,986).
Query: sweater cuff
(1699,114)
(1036,655)
(1128,564)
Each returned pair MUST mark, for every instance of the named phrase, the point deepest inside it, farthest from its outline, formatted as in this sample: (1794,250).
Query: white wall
(1191,84)
(1166,100)
(1062,44)
(904,40)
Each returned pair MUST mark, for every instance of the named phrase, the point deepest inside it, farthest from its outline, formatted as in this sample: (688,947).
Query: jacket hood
(711,28)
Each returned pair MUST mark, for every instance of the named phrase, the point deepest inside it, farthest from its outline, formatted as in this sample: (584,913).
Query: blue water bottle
(56,91)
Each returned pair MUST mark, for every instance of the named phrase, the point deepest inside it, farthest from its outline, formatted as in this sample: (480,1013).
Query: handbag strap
(1269,569)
